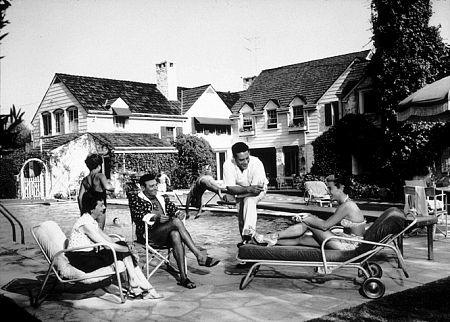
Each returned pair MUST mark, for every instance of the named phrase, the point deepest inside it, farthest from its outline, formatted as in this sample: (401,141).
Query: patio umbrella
(429,101)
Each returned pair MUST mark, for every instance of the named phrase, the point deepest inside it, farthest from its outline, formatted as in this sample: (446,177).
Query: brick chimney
(247,81)
(166,79)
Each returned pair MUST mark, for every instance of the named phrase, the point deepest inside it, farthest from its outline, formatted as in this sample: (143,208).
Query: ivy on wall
(131,166)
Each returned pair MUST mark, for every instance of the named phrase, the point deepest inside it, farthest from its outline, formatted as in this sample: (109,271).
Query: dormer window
(246,118)
(47,123)
(247,123)
(271,113)
(119,121)
(298,116)
(272,119)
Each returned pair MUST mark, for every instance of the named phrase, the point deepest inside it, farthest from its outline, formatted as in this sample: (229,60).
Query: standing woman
(86,232)
(95,183)
(347,215)
(163,181)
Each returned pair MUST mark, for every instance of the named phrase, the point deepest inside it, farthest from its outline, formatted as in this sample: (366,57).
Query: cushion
(52,240)
(391,221)
(292,253)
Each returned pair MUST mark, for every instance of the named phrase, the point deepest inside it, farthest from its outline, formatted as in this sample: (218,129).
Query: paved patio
(287,295)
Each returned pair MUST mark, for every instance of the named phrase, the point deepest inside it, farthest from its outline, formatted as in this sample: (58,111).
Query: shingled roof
(356,74)
(115,140)
(229,98)
(92,93)
(110,140)
(190,95)
(53,142)
(309,80)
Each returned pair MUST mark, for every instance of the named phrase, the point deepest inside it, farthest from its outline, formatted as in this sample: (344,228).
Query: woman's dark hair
(339,181)
(89,201)
(93,161)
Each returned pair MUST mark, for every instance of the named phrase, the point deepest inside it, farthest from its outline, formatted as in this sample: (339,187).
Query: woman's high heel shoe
(135,292)
(152,295)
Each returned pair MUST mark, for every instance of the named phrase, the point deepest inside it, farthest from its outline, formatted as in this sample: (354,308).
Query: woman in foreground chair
(347,215)
(86,232)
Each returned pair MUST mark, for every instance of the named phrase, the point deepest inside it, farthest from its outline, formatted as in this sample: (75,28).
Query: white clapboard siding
(57,97)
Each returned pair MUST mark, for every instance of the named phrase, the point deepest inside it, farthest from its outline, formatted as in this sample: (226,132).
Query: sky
(210,41)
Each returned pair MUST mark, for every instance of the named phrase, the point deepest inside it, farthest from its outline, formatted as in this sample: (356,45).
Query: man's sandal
(187,283)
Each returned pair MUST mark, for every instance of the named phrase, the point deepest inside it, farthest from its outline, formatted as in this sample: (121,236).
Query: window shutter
(179,130)
(163,132)
(336,112)
(328,119)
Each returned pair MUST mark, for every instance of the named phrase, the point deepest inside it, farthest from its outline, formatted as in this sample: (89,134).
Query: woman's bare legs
(293,231)
(318,236)
(135,281)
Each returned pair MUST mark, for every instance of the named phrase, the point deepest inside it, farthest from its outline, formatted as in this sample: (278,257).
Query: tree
(409,53)
(11,127)
(194,155)
(4,4)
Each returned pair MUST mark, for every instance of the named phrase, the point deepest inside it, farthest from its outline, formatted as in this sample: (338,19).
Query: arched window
(72,114)
(46,123)
(59,121)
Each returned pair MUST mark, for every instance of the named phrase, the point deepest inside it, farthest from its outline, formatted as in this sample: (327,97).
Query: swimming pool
(214,229)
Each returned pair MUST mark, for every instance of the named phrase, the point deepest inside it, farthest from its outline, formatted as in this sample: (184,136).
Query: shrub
(194,156)
(8,188)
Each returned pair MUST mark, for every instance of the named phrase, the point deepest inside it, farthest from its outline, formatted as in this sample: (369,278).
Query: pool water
(213,229)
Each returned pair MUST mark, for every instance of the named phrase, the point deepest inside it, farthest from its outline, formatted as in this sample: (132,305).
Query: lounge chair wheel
(373,288)
(375,270)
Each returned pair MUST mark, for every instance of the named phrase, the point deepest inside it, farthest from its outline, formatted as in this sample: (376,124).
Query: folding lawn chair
(381,235)
(427,201)
(53,242)
(155,252)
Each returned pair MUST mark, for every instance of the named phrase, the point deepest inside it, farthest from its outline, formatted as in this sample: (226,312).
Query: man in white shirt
(245,177)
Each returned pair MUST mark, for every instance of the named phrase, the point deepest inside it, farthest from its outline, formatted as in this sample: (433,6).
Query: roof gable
(92,93)
(190,96)
(229,98)
(309,80)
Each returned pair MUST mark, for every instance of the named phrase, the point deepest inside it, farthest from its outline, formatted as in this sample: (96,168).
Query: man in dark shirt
(167,227)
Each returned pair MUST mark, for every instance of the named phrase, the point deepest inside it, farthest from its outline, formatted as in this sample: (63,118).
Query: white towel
(417,203)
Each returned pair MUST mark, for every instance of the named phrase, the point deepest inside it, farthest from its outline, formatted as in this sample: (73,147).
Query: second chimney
(166,80)
(247,81)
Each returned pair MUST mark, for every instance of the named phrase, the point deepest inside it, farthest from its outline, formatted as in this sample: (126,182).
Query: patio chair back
(390,223)
(316,189)
(53,244)
(317,192)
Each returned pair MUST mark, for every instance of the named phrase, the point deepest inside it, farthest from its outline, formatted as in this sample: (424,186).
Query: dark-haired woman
(347,215)
(95,183)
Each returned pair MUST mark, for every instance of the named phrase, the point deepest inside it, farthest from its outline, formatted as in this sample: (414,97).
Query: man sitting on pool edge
(168,228)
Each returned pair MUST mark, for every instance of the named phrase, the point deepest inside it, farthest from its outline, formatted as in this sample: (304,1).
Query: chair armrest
(61,252)
(117,236)
(148,219)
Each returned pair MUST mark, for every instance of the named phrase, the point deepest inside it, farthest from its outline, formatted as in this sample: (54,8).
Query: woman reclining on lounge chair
(347,214)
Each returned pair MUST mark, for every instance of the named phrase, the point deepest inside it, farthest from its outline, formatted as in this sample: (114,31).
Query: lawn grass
(429,302)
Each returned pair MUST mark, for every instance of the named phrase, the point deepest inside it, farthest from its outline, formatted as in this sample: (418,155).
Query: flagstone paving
(285,295)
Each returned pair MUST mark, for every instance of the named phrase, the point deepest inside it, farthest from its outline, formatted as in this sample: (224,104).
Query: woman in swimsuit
(347,215)
(94,183)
